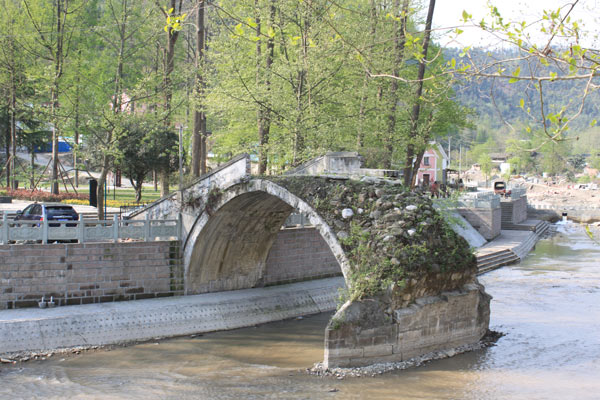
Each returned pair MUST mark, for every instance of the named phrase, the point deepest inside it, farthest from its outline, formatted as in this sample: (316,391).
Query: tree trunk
(264,119)
(199,135)
(117,103)
(77,122)
(13,126)
(100,189)
(164,180)
(411,167)
(7,136)
(32,178)
(399,41)
(172,36)
(58,66)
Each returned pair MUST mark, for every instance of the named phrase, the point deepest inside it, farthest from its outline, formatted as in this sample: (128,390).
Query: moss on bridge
(398,245)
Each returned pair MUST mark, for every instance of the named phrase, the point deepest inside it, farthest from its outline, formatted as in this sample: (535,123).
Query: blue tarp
(63,147)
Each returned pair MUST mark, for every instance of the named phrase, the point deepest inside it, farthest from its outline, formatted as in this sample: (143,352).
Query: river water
(548,307)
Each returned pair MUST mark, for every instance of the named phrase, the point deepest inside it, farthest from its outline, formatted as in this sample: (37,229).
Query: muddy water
(548,306)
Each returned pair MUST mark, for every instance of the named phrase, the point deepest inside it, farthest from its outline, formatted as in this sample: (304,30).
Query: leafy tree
(53,24)
(485,162)
(559,59)
(595,162)
(144,146)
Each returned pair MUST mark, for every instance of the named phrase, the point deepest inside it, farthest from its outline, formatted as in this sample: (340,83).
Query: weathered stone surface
(361,333)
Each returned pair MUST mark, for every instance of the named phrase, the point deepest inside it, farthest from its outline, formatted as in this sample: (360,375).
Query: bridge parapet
(196,195)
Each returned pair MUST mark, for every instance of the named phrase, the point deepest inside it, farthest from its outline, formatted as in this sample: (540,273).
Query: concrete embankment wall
(487,221)
(299,254)
(88,273)
(111,323)
(553,213)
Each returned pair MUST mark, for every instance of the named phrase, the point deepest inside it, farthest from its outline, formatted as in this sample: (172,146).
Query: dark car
(49,212)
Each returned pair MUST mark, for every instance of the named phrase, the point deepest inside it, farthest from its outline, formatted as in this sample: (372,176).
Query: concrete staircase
(490,261)
(539,227)
(507,215)
(524,248)
(496,258)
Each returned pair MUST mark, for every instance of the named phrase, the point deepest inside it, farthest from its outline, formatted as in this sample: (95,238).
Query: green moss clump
(394,237)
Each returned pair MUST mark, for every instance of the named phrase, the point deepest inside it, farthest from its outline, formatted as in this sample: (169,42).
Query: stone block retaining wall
(487,221)
(89,272)
(430,324)
(519,211)
(299,254)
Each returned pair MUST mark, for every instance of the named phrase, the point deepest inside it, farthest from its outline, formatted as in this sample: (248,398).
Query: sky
(448,13)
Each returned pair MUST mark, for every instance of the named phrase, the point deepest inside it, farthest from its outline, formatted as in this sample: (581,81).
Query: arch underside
(231,251)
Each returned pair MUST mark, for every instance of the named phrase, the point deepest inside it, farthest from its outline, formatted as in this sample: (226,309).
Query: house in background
(433,164)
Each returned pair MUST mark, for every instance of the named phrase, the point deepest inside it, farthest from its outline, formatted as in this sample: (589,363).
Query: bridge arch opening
(230,243)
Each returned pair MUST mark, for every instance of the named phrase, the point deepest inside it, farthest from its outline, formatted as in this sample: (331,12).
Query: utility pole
(449,149)
(459,160)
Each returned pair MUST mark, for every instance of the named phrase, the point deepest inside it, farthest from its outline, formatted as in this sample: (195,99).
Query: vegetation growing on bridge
(398,245)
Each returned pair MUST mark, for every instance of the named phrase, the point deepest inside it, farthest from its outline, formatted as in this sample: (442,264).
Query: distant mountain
(492,97)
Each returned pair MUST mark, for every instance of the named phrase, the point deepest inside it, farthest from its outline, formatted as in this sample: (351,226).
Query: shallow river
(548,307)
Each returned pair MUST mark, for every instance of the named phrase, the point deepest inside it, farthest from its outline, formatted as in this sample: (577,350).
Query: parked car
(49,212)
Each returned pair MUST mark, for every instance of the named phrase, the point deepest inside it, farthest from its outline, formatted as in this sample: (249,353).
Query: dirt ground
(562,194)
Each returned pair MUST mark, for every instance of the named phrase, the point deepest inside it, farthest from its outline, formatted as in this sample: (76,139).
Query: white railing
(480,200)
(88,230)
(518,192)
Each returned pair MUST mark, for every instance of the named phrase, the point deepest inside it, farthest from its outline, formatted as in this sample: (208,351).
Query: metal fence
(125,209)
(82,231)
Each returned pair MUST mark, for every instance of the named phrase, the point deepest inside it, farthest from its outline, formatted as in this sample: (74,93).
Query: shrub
(109,202)
(42,196)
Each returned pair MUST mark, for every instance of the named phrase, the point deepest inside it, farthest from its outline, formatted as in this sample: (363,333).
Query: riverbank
(37,333)
(41,331)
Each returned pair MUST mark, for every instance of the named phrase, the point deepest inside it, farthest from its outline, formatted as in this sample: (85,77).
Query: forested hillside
(507,115)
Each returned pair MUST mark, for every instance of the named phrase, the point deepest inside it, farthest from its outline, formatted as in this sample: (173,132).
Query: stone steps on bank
(490,261)
(524,248)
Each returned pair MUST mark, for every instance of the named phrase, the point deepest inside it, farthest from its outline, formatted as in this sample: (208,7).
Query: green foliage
(485,162)
(584,179)
(314,89)
(144,145)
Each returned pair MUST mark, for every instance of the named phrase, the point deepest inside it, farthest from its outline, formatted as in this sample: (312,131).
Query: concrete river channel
(548,307)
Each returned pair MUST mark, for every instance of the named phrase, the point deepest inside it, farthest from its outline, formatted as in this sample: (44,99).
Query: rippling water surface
(548,306)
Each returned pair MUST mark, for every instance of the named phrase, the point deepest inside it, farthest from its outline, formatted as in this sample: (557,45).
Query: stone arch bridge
(411,280)
(229,223)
